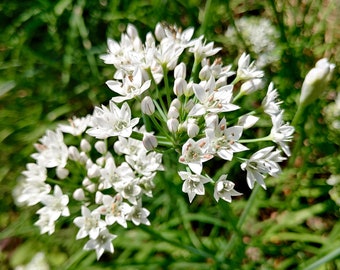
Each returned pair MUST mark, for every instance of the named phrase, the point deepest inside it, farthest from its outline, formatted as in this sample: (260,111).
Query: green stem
(166,83)
(249,205)
(280,21)
(243,217)
(160,110)
(297,117)
(238,96)
(206,18)
(195,70)
(263,139)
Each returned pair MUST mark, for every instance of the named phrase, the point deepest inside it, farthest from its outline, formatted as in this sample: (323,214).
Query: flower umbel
(95,171)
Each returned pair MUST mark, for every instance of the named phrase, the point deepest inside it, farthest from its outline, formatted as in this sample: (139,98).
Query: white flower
(112,121)
(129,190)
(55,205)
(175,35)
(194,154)
(145,163)
(211,100)
(52,150)
(167,54)
(281,133)
(247,70)
(38,262)
(128,146)
(260,35)
(102,243)
(76,126)
(46,224)
(222,141)
(193,184)
(261,163)
(35,172)
(111,174)
(202,50)
(224,189)
(89,224)
(138,215)
(270,103)
(114,210)
(30,191)
(131,87)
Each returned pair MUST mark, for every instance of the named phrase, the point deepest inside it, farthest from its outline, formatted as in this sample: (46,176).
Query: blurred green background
(51,71)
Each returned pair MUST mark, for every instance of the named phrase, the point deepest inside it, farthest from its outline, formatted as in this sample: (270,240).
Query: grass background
(50,71)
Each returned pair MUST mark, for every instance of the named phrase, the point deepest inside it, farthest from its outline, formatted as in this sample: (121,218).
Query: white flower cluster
(113,164)
(108,185)
(261,37)
(38,262)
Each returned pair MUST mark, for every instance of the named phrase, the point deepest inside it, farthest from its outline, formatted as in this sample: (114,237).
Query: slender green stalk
(242,219)
(298,116)
(195,70)
(206,17)
(280,21)
(249,205)
(263,139)
(166,83)
(329,256)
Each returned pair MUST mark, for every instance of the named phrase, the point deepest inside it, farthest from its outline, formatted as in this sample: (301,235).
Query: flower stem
(263,139)
(245,213)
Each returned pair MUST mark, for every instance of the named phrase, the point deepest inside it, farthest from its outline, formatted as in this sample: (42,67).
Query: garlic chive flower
(224,189)
(112,121)
(193,184)
(170,94)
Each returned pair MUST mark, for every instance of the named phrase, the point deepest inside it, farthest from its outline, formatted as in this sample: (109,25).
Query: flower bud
(159,32)
(147,106)
(62,173)
(173,112)
(100,147)
(85,145)
(175,103)
(188,91)
(180,86)
(149,141)
(93,171)
(79,194)
(315,81)
(247,121)
(189,105)
(205,73)
(99,197)
(251,86)
(172,124)
(192,128)
(132,32)
(180,71)
(86,182)
(83,158)
(73,153)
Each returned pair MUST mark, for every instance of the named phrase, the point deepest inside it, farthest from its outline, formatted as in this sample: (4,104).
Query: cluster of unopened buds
(96,169)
